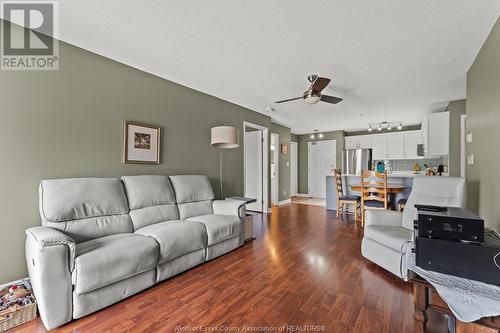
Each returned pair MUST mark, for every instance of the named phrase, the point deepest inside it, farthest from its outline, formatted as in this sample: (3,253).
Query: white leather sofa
(104,239)
(387,232)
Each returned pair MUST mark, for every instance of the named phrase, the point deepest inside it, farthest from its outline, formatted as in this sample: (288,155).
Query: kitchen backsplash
(408,165)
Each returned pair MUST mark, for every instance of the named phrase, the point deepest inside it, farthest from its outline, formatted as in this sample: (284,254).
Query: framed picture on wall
(141,143)
(284,149)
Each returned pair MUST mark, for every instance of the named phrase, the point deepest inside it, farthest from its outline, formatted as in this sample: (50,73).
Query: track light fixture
(385,124)
(316,135)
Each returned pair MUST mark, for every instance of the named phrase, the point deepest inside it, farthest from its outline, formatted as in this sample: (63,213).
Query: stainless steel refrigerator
(356,160)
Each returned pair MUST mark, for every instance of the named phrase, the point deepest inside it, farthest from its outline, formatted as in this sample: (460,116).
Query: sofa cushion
(148,190)
(193,194)
(102,261)
(197,208)
(390,236)
(189,188)
(84,208)
(151,199)
(176,238)
(219,227)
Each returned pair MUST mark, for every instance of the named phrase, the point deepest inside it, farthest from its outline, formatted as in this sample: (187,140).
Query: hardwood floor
(304,268)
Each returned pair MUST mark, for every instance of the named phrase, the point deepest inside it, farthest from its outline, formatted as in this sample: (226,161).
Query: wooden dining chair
(374,193)
(345,200)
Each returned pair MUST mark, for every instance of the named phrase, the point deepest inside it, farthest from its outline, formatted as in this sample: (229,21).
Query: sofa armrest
(383,217)
(230,207)
(50,256)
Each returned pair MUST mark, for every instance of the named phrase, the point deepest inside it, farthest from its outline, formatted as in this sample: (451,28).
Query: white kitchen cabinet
(350,142)
(379,146)
(438,131)
(358,142)
(364,141)
(395,146)
(411,140)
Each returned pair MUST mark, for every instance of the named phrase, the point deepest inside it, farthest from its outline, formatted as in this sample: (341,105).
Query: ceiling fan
(313,94)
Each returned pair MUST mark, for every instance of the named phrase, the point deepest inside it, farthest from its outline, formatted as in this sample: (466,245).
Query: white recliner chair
(387,232)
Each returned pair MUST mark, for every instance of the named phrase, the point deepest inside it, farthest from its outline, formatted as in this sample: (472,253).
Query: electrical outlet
(469,137)
(470,159)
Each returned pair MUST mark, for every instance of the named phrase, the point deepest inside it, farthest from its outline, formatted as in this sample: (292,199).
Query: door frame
(294,144)
(309,144)
(463,133)
(265,163)
(276,168)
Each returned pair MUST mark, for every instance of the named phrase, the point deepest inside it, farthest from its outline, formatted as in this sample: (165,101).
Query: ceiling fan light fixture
(400,126)
(379,128)
(312,98)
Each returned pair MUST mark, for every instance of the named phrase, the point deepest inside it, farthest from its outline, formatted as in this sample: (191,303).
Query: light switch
(469,137)
(470,159)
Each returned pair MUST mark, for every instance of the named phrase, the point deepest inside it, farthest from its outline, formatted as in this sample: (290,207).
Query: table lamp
(224,137)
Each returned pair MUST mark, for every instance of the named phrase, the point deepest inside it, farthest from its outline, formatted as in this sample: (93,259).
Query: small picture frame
(141,143)
(284,149)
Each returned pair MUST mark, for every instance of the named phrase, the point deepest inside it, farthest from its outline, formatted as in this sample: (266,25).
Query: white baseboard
(284,202)
(302,195)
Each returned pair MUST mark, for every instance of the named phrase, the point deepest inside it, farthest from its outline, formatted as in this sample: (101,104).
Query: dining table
(392,190)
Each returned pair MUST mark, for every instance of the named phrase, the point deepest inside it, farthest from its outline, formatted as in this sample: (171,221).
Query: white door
(293,168)
(274,168)
(253,169)
(379,147)
(322,161)
(395,145)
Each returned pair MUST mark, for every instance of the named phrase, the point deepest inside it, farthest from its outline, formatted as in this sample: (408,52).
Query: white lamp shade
(225,137)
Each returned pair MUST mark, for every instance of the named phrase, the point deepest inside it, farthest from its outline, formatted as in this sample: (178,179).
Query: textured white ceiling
(389,60)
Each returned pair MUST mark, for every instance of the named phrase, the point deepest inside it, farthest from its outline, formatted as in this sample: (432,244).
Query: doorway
(322,156)
(293,169)
(463,153)
(275,139)
(255,163)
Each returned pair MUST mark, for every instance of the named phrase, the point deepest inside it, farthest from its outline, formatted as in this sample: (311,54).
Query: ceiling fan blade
(319,84)
(288,100)
(330,99)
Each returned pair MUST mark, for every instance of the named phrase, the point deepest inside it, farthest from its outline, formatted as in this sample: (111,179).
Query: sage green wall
(456,108)
(284,161)
(303,155)
(294,138)
(483,121)
(68,123)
